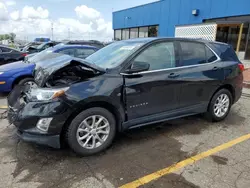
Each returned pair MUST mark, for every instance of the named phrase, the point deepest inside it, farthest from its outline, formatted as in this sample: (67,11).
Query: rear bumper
(238,93)
(52,141)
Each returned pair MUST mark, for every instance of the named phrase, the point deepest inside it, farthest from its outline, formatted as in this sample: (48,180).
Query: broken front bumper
(25,116)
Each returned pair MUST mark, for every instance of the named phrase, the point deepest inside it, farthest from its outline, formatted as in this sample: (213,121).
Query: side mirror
(138,67)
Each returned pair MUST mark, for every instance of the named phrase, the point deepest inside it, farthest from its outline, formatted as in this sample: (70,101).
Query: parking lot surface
(135,154)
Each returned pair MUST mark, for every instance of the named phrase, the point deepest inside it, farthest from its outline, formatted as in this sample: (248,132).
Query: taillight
(241,67)
(24,54)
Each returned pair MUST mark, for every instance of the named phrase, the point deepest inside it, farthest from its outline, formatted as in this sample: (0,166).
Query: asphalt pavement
(138,153)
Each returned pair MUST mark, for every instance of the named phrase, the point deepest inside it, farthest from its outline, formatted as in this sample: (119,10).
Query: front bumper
(48,140)
(25,117)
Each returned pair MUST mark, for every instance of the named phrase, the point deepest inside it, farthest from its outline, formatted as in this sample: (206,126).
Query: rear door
(201,73)
(156,90)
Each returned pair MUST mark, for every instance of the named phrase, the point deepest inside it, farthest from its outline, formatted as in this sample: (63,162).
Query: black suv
(124,85)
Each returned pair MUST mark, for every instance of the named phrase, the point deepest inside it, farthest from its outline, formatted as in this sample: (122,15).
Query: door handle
(173,75)
(215,68)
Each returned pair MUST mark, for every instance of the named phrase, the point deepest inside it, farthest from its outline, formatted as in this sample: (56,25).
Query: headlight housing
(45,94)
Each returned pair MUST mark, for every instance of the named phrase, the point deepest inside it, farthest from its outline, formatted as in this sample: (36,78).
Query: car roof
(65,46)
(150,39)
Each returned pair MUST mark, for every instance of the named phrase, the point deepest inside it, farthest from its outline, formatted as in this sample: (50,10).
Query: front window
(158,56)
(112,55)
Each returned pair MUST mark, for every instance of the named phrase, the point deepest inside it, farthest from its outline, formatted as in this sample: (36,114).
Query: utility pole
(52,31)
(69,33)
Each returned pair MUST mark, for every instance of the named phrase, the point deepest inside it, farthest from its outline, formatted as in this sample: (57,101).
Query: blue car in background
(20,72)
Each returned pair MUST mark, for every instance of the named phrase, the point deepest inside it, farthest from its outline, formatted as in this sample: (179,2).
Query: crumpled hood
(14,66)
(55,61)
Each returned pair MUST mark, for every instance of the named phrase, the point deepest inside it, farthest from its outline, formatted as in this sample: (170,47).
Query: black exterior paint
(136,99)
(12,56)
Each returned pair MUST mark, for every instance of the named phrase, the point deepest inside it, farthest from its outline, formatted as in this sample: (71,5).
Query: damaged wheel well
(102,104)
(18,79)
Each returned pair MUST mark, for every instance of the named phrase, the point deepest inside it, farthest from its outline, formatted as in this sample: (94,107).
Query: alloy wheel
(93,131)
(32,84)
(221,105)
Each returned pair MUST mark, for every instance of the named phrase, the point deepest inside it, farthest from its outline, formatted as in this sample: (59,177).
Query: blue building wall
(169,13)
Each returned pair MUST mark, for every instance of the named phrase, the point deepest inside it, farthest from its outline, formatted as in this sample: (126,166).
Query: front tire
(220,105)
(91,131)
(27,81)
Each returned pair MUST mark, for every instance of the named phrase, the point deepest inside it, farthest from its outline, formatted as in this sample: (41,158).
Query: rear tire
(220,106)
(82,132)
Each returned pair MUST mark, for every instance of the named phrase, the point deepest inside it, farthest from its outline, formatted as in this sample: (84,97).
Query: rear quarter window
(211,57)
(226,52)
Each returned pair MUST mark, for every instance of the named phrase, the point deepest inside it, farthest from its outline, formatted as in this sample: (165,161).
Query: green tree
(6,37)
(12,36)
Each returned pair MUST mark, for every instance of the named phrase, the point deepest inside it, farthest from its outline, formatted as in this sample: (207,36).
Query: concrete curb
(246,85)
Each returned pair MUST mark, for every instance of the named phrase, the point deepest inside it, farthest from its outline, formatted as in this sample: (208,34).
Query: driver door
(156,90)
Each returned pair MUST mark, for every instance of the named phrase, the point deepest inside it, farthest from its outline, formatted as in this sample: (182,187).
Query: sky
(71,19)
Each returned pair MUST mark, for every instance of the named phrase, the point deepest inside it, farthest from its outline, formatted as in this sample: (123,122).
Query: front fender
(22,73)
(97,92)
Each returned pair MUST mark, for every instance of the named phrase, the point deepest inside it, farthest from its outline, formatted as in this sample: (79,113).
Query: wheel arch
(19,78)
(118,113)
(229,87)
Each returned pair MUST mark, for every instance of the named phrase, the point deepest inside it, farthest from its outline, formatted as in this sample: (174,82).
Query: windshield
(41,56)
(113,54)
(40,46)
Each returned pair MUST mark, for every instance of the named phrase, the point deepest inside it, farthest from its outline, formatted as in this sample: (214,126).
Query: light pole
(52,31)
(69,33)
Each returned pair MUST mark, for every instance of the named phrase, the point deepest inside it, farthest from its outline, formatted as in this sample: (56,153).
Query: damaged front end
(64,70)
(36,121)
(39,113)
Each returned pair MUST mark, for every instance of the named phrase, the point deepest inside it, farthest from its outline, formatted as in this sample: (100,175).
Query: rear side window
(83,52)
(211,57)
(5,50)
(226,52)
(192,53)
(69,51)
